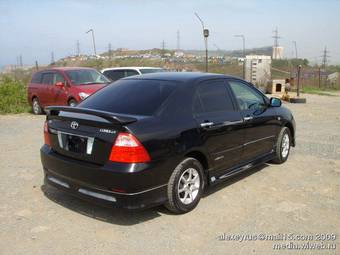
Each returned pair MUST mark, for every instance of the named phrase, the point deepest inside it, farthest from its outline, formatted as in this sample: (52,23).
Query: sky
(35,28)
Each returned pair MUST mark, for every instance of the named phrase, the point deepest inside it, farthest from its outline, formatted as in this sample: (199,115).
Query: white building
(333,78)
(257,69)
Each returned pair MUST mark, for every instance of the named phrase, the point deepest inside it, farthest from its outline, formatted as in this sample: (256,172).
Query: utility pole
(20,61)
(295,47)
(178,40)
(243,54)
(110,52)
(205,35)
(93,41)
(163,48)
(325,57)
(276,43)
(52,57)
(319,77)
(36,65)
(78,48)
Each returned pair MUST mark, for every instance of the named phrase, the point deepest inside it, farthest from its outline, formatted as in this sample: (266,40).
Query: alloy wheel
(36,106)
(285,146)
(188,186)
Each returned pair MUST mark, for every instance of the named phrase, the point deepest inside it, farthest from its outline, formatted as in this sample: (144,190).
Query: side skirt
(217,178)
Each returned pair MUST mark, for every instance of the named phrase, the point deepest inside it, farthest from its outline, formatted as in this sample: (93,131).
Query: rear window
(137,97)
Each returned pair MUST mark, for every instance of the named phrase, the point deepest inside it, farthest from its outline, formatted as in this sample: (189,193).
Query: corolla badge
(74,125)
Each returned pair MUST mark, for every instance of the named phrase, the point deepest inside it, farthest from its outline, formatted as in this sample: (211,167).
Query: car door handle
(207,124)
(248,118)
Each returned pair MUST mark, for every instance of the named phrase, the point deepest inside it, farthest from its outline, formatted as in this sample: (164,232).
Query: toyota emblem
(74,125)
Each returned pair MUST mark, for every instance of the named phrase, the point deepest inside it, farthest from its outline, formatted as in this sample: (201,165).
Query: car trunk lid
(85,134)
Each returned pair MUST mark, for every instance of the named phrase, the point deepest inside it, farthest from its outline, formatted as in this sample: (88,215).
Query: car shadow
(110,215)
(125,217)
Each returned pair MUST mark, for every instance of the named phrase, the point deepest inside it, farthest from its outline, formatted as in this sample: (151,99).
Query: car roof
(65,68)
(178,76)
(129,67)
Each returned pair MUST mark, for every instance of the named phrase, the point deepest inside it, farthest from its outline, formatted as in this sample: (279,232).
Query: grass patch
(13,96)
(318,91)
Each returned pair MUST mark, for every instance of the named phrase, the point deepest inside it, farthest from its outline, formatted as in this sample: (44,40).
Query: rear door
(60,95)
(259,119)
(219,123)
(34,88)
(46,90)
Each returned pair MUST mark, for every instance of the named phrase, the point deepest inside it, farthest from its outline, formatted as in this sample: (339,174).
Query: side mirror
(59,84)
(275,102)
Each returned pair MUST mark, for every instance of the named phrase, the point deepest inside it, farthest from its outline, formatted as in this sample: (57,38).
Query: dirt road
(300,197)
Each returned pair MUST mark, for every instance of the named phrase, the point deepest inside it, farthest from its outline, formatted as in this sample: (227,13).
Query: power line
(276,37)
(78,48)
(20,61)
(163,48)
(110,51)
(276,43)
(52,57)
(295,47)
(325,57)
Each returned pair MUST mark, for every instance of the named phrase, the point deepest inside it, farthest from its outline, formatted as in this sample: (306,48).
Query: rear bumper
(95,183)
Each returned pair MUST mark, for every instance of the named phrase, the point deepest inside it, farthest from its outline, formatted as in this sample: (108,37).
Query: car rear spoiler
(112,117)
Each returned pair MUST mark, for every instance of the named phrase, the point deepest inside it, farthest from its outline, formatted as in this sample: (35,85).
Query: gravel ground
(298,198)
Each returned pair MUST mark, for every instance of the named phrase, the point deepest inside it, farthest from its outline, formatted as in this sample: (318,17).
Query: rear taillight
(127,149)
(46,136)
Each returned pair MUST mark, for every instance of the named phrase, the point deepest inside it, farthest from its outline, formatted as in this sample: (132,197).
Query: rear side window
(149,70)
(36,78)
(212,96)
(47,78)
(130,73)
(137,97)
(115,74)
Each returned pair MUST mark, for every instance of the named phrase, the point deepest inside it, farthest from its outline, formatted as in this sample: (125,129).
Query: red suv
(63,86)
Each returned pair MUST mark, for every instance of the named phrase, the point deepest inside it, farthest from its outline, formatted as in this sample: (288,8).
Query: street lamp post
(205,35)
(243,53)
(298,80)
(93,41)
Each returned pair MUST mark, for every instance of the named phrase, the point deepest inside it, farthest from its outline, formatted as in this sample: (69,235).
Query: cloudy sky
(36,28)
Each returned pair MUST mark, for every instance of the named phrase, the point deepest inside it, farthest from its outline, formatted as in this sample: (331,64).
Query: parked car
(116,73)
(63,86)
(161,138)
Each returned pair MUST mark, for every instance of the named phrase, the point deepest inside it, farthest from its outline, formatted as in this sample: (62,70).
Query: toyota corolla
(162,138)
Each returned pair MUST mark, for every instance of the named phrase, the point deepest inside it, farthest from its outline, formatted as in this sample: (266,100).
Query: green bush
(13,96)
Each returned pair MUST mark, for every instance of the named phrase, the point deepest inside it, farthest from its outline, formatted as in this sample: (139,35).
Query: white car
(116,73)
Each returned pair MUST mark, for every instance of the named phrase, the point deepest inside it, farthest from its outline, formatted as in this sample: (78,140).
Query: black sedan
(161,138)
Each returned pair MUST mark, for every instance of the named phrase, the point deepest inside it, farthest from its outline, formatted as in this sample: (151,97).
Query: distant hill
(266,50)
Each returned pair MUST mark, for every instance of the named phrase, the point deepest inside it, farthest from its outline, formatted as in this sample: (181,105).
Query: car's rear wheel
(36,108)
(185,186)
(282,146)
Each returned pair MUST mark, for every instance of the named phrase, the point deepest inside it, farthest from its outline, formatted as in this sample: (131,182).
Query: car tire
(72,103)
(185,186)
(36,108)
(283,145)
